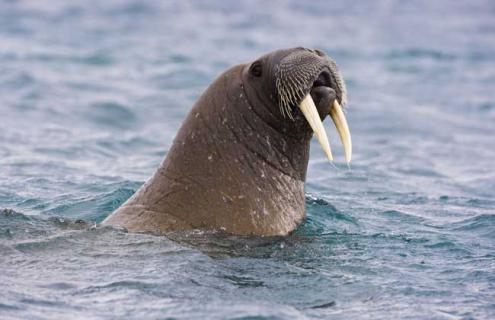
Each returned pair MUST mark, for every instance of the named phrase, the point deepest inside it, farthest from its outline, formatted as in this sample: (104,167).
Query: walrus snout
(323,94)
(303,69)
(323,98)
(310,81)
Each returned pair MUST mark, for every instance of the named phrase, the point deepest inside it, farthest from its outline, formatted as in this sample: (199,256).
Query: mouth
(310,112)
(323,80)
(297,75)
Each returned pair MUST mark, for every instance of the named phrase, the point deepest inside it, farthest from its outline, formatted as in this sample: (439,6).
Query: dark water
(92,93)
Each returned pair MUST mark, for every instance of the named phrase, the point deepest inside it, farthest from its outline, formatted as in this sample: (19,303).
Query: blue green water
(93,92)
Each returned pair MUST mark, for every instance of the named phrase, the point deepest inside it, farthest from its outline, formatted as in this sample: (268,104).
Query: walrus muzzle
(297,76)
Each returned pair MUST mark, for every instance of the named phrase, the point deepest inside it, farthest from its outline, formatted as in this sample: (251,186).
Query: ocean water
(93,92)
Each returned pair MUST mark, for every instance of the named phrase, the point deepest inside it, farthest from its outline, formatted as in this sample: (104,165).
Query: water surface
(92,94)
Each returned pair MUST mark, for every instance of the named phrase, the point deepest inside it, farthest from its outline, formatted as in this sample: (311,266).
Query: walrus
(238,163)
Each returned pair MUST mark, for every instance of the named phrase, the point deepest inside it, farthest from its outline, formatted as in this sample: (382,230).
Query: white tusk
(340,122)
(308,108)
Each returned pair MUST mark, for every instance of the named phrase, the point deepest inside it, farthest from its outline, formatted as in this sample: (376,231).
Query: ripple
(42,302)
(420,53)
(11,214)
(9,307)
(18,81)
(325,305)
(244,282)
(97,59)
(18,226)
(117,285)
(482,224)
(403,217)
(321,206)
(94,208)
(60,286)
(111,114)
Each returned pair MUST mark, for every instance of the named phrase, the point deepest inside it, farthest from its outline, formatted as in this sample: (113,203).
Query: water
(92,94)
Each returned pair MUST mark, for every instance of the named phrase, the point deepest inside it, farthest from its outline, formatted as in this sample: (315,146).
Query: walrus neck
(279,146)
(244,175)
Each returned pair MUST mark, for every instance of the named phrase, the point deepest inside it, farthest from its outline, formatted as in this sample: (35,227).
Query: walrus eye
(256,69)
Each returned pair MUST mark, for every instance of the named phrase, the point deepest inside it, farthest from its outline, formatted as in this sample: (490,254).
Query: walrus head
(299,87)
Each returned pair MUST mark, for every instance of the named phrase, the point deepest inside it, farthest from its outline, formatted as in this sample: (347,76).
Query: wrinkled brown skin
(236,164)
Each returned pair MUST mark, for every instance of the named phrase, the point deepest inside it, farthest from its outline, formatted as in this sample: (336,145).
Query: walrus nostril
(323,80)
